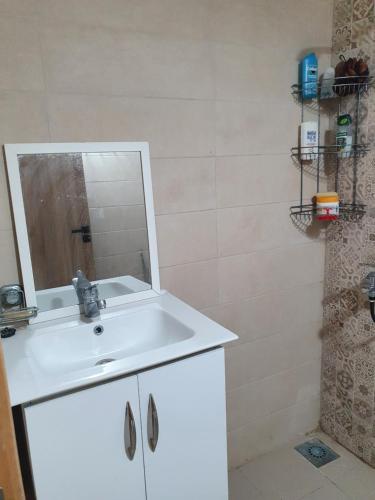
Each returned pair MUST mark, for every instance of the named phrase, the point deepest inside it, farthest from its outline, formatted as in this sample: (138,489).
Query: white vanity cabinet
(77,444)
(171,418)
(190,459)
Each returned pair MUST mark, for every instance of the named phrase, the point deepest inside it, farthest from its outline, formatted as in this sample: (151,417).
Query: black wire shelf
(349,212)
(323,161)
(335,150)
(342,86)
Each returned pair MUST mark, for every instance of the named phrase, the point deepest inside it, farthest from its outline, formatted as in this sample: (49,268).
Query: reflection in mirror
(85,211)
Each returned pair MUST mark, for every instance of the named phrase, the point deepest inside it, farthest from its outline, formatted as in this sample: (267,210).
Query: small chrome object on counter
(13,306)
(11,296)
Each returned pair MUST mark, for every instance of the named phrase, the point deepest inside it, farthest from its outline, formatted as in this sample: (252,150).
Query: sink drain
(98,329)
(104,361)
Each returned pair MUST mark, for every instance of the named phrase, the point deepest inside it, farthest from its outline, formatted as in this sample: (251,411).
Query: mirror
(83,208)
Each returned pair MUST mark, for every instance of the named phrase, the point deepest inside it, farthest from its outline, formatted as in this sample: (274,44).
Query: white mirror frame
(12,151)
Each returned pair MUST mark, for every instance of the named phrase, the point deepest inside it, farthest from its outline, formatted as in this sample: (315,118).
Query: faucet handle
(91,293)
(102,303)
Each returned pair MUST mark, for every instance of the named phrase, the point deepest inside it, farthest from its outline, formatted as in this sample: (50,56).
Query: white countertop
(28,381)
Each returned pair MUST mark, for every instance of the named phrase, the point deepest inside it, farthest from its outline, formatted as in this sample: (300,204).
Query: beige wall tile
(20,58)
(272,431)
(289,348)
(241,277)
(8,260)
(167,17)
(245,71)
(177,232)
(271,24)
(26,117)
(273,394)
(317,33)
(25,122)
(18,7)
(253,228)
(257,179)
(256,126)
(187,126)
(5,217)
(250,319)
(240,21)
(251,274)
(183,184)
(119,62)
(195,283)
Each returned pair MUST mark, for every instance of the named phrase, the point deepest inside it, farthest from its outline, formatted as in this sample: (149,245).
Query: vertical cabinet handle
(152,424)
(130,434)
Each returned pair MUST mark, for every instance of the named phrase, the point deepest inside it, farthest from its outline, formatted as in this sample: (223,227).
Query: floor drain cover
(317,452)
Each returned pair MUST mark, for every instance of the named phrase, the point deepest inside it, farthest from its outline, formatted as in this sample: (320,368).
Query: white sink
(48,358)
(78,346)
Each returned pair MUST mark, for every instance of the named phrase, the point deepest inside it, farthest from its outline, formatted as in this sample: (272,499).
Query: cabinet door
(184,420)
(81,443)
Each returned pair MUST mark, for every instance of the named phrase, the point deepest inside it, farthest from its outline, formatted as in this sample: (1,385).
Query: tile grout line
(241,427)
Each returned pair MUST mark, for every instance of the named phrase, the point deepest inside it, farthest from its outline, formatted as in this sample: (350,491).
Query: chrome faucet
(88,295)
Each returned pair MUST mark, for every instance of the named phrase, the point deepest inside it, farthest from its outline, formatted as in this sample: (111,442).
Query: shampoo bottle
(308,76)
(344,137)
(309,140)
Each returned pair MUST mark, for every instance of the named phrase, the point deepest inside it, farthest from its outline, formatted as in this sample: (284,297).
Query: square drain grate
(317,452)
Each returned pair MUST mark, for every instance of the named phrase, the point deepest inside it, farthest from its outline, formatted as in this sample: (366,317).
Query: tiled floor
(284,474)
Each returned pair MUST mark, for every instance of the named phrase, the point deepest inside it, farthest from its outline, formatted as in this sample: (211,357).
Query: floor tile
(346,463)
(328,492)
(358,484)
(285,473)
(240,488)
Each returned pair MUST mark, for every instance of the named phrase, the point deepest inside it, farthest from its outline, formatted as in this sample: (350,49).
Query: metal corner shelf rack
(312,159)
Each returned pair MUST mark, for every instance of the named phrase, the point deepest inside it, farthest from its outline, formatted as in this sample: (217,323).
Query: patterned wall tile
(348,356)
(342,13)
(342,39)
(362,33)
(362,9)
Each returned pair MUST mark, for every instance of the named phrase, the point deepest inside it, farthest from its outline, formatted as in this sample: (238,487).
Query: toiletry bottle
(308,76)
(309,140)
(344,138)
(328,81)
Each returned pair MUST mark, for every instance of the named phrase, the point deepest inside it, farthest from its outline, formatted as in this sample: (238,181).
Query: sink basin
(113,337)
(45,359)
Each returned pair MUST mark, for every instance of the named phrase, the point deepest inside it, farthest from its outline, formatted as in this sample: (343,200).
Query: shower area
(348,360)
